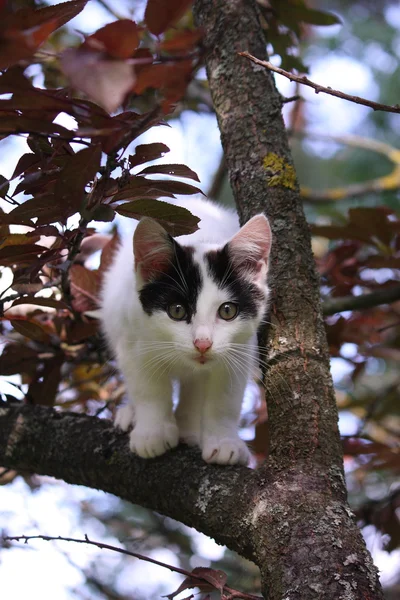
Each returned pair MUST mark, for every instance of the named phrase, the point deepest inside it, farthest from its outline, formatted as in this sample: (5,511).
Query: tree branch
(256,513)
(90,451)
(195,578)
(320,88)
(383,296)
(389,182)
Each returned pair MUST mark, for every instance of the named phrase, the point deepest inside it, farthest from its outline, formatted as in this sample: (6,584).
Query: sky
(37,569)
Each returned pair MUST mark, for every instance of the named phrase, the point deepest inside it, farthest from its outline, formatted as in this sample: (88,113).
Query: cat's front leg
(221,443)
(150,412)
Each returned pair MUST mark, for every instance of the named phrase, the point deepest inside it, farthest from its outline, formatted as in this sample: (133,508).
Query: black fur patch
(181,284)
(223,272)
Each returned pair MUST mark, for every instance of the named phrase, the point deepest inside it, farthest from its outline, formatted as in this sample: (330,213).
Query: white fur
(153,351)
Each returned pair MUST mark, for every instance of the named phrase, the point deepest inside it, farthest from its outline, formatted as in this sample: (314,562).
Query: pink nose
(202,345)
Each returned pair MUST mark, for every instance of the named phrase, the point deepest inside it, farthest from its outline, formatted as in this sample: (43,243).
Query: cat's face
(203,303)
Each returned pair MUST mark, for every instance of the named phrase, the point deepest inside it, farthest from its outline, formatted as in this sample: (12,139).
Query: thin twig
(47,538)
(109,9)
(73,252)
(294,98)
(320,88)
(337,305)
(75,247)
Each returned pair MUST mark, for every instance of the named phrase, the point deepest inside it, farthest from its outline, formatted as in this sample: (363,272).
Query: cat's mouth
(201,359)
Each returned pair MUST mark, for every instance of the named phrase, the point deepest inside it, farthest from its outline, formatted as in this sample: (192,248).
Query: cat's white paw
(125,417)
(149,443)
(225,451)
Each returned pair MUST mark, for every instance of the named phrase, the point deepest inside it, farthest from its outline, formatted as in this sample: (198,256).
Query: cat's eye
(228,311)
(177,312)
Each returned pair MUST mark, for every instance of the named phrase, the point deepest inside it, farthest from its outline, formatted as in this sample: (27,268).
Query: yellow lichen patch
(278,171)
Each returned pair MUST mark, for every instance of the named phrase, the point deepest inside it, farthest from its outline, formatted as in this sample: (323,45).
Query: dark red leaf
(205,579)
(22,32)
(78,171)
(171,79)
(16,44)
(103,213)
(105,80)
(34,100)
(181,41)
(154,76)
(141,58)
(31,329)
(20,254)
(175,169)
(146,152)
(17,359)
(4,185)
(369,225)
(40,301)
(44,389)
(147,190)
(140,187)
(215,577)
(25,162)
(131,125)
(14,80)
(161,14)
(46,230)
(28,18)
(118,39)
(108,253)
(45,208)
(175,219)
(85,287)
(78,331)
(21,124)
(18,239)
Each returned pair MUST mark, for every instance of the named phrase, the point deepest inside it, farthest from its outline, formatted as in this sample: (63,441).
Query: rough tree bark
(306,558)
(291,516)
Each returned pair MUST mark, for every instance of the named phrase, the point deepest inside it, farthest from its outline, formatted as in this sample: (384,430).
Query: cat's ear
(153,249)
(250,247)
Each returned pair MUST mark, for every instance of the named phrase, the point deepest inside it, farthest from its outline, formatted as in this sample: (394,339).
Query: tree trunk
(290,516)
(313,537)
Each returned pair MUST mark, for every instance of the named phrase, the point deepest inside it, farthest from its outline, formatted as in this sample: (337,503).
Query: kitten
(187,311)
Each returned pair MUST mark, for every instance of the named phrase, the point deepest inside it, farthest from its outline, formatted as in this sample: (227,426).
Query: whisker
(242,355)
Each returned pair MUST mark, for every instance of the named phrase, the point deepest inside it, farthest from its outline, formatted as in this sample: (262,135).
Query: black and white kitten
(187,311)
